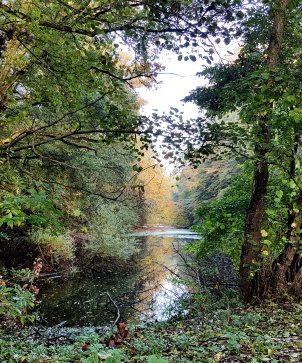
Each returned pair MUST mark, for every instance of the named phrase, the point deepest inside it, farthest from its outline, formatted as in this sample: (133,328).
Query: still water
(144,291)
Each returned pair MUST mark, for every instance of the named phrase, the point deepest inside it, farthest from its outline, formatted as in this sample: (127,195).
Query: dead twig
(118,314)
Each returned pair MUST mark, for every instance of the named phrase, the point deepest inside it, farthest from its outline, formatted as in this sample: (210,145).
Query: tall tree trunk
(250,254)
(251,248)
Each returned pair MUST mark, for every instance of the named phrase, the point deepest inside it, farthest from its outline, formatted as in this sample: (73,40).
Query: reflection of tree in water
(80,300)
(140,294)
(160,264)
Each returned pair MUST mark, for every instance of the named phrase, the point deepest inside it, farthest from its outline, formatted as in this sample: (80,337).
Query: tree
(53,54)
(58,115)
(202,185)
(65,93)
(159,207)
(221,222)
(263,86)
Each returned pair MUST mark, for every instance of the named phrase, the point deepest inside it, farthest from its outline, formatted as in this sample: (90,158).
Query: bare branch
(118,314)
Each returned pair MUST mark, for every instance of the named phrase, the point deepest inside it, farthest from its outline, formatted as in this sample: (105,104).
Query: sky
(173,84)
(178,79)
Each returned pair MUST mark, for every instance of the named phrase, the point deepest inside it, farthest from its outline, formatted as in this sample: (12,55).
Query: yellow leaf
(263,233)
(265,253)
(84,230)
(218,357)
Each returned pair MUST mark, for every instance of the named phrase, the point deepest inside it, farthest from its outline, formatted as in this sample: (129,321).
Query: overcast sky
(174,84)
(172,88)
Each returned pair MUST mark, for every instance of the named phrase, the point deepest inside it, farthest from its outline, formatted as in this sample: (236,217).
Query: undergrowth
(215,330)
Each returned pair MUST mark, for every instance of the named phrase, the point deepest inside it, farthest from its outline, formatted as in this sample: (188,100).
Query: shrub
(57,248)
(108,232)
(17,297)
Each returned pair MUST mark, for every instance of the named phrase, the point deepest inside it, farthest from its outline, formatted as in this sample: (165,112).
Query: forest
(84,192)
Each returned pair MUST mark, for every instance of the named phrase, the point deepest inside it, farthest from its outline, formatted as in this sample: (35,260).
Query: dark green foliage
(17,349)
(222,330)
(222,220)
(68,119)
(17,301)
(31,208)
(213,331)
(202,185)
(84,194)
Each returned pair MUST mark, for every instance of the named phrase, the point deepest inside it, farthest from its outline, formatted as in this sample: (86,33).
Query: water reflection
(145,292)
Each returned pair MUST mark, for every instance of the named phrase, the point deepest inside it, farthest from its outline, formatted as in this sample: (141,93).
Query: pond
(144,292)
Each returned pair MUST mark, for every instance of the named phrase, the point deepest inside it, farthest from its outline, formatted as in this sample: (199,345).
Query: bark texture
(251,255)
(252,283)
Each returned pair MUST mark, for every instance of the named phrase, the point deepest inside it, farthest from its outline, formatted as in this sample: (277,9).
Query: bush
(17,298)
(32,209)
(222,221)
(57,248)
(108,232)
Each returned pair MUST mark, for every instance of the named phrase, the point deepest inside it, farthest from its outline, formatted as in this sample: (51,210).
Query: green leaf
(76,212)
(279,193)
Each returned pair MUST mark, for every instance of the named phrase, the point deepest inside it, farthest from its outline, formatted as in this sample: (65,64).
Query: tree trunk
(251,255)
(251,249)
(286,269)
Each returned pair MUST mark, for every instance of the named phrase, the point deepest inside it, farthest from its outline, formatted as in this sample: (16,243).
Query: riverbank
(217,330)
